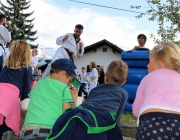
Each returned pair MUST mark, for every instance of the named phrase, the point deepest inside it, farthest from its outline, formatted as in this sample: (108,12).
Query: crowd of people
(49,104)
(90,80)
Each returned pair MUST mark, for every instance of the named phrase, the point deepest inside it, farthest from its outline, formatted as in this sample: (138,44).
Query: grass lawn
(128,118)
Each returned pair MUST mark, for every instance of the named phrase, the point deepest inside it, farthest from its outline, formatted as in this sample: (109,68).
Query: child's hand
(74,94)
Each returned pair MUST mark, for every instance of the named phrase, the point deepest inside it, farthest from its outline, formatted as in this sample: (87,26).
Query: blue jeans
(82,89)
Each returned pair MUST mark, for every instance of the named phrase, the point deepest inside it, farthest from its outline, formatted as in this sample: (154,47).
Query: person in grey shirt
(5,37)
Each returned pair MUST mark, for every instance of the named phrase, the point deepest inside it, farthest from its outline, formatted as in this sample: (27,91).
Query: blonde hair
(20,55)
(93,64)
(169,54)
(117,72)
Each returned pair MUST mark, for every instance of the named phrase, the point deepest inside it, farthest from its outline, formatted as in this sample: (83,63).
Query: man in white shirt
(141,38)
(5,37)
(72,47)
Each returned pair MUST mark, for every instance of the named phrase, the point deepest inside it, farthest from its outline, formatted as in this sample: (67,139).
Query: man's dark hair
(2,16)
(79,26)
(143,36)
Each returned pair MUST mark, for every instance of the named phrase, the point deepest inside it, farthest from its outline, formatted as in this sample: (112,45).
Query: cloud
(52,21)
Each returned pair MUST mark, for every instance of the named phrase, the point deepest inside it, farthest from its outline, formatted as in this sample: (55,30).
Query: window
(104,49)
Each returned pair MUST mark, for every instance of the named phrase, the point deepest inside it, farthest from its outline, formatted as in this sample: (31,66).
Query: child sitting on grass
(98,116)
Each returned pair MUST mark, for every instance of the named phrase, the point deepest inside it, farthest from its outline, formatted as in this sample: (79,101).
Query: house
(102,52)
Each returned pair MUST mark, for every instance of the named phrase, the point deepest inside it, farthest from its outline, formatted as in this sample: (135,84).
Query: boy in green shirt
(49,99)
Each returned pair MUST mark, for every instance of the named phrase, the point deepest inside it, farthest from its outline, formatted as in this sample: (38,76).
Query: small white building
(102,52)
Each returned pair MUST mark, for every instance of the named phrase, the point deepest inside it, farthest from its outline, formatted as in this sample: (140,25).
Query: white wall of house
(101,58)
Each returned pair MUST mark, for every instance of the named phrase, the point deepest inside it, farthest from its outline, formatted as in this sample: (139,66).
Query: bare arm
(74,94)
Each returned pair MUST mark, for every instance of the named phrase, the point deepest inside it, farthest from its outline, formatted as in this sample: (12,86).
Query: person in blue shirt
(110,97)
(98,117)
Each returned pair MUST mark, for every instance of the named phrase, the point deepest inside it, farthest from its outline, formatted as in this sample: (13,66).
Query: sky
(54,18)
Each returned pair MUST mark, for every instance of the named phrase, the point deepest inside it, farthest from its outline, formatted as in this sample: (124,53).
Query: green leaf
(167,14)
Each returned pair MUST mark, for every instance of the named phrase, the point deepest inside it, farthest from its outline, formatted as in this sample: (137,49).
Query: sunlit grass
(128,118)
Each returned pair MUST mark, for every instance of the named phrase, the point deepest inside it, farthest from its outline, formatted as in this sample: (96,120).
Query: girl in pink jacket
(157,102)
(15,81)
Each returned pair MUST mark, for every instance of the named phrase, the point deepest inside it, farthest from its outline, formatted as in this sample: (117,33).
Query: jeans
(82,89)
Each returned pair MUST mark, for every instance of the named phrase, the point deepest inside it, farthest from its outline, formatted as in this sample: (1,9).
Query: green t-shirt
(46,101)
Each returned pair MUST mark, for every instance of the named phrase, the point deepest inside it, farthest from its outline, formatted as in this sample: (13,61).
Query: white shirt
(70,44)
(5,37)
(34,60)
(1,51)
(93,75)
(6,53)
(83,76)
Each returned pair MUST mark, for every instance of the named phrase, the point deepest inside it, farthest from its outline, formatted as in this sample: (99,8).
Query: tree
(18,22)
(167,14)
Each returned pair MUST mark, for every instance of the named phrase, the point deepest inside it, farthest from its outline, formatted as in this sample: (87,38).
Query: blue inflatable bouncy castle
(137,61)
